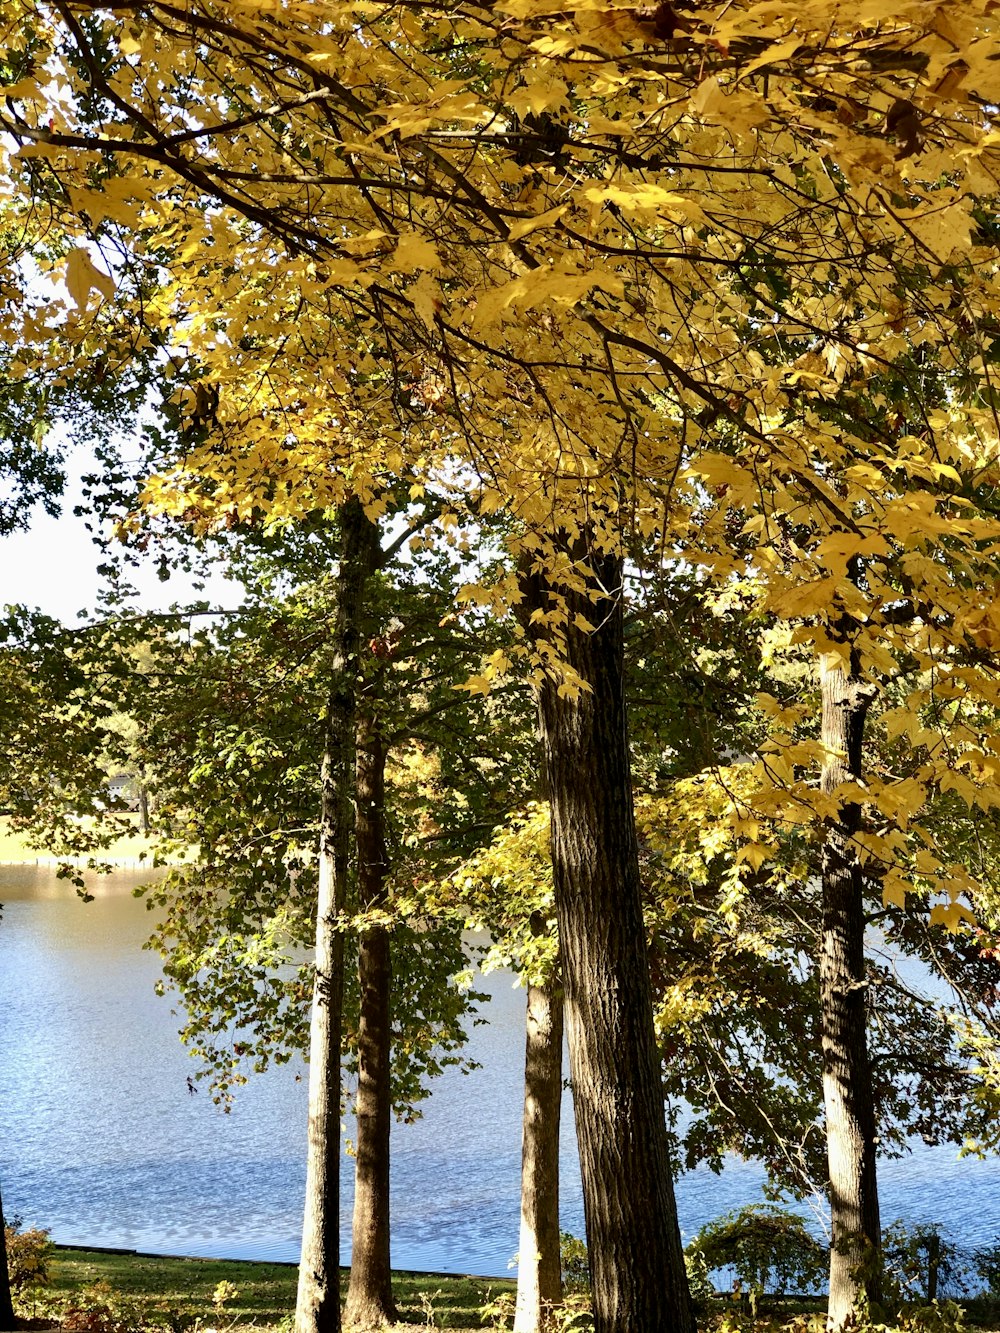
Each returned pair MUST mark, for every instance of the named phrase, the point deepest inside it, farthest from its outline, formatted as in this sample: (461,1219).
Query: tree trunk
(847,1079)
(539,1277)
(317,1307)
(636,1261)
(369,1295)
(6,1305)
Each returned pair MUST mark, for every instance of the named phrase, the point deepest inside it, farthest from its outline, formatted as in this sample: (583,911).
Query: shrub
(573,1259)
(28,1254)
(100,1309)
(698,1276)
(769,1249)
(987,1263)
(921,1262)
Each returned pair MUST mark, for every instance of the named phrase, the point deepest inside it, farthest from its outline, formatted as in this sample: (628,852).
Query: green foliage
(987,1262)
(917,1259)
(698,1276)
(573,1260)
(936,1317)
(769,1248)
(28,1256)
(572,1315)
(101,1309)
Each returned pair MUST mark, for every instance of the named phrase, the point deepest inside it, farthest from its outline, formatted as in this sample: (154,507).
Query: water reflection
(101,1141)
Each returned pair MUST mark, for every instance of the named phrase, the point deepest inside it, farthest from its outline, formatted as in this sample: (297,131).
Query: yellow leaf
(476,685)
(926,862)
(950,915)
(632,198)
(535,98)
(754,854)
(527,225)
(772,56)
(894,893)
(425,295)
(82,276)
(807,599)
(708,97)
(414,252)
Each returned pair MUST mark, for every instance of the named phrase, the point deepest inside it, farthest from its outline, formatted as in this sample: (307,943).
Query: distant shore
(131,852)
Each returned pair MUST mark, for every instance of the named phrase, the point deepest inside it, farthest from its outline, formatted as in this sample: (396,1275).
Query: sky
(53,565)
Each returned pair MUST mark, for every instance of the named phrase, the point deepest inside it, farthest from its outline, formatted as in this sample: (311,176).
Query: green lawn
(175,1295)
(173,1292)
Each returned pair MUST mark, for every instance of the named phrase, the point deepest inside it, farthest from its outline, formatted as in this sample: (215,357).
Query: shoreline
(123,1253)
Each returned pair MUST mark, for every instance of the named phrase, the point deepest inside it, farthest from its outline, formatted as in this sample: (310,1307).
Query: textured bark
(847,1079)
(636,1260)
(317,1307)
(6,1305)
(539,1276)
(369,1294)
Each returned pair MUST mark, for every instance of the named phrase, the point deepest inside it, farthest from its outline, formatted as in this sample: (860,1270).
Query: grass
(176,1295)
(265,1292)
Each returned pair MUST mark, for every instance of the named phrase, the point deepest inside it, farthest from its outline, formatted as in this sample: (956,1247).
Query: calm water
(101,1141)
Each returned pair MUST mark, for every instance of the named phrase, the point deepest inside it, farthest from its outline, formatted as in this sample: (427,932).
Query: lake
(101,1141)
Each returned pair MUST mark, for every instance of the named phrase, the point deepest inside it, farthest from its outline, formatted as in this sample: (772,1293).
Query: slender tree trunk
(317,1307)
(636,1261)
(847,1079)
(369,1295)
(6,1305)
(539,1276)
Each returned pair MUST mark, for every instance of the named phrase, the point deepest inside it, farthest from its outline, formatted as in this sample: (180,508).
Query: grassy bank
(174,1293)
(129,1293)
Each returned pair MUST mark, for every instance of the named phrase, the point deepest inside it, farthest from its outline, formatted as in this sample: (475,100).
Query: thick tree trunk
(6,1305)
(636,1260)
(539,1277)
(369,1295)
(847,1080)
(317,1307)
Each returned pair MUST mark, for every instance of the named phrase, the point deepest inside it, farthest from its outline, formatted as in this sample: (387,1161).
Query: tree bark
(847,1079)
(539,1275)
(636,1261)
(317,1307)
(6,1303)
(369,1296)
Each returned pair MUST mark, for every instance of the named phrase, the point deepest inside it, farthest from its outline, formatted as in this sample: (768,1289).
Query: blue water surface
(101,1141)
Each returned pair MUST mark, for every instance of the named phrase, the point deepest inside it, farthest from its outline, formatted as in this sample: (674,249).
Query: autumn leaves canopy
(712,285)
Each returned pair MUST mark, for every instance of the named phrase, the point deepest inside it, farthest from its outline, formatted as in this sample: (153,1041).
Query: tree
(506,888)
(847,1079)
(636,1261)
(6,1304)
(317,1305)
(369,1295)
(539,1271)
(532,310)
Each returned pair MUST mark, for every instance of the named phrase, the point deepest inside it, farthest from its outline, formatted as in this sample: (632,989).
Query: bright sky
(53,566)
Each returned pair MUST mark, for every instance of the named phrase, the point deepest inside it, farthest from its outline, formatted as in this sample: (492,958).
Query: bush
(922,1263)
(101,1309)
(28,1254)
(698,1276)
(987,1264)
(573,1259)
(770,1250)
